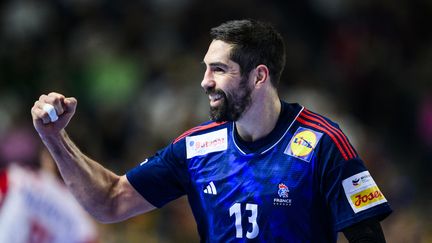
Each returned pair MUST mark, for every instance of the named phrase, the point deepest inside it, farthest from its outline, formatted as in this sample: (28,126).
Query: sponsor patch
(206,143)
(362,192)
(303,143)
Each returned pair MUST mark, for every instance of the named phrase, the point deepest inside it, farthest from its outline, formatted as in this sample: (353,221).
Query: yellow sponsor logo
(366,197)
(303,143)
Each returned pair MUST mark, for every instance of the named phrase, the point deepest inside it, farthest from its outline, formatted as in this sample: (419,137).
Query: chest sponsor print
(207,143)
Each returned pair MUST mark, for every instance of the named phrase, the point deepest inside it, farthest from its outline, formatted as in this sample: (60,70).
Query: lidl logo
(303,143)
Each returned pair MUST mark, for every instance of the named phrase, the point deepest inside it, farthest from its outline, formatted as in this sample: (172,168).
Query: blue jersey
(303,182)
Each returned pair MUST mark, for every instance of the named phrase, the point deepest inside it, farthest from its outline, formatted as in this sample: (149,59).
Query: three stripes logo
(210,189)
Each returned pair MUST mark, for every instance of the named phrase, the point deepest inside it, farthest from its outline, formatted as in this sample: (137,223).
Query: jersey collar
(289,113)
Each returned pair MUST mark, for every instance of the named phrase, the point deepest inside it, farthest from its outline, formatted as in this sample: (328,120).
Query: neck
(260,119)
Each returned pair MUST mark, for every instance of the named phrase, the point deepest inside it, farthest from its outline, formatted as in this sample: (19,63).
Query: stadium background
(135,68)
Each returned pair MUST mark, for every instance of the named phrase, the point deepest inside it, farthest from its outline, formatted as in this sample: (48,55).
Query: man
(262,170)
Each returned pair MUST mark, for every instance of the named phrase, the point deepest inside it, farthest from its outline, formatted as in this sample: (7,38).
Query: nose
(208,81)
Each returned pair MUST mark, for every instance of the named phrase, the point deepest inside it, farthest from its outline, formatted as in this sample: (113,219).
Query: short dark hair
(254,43)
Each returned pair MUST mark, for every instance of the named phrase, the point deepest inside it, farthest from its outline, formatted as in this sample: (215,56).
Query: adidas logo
(210,189)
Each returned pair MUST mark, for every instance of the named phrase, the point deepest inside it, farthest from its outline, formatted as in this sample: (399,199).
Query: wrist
(52,137)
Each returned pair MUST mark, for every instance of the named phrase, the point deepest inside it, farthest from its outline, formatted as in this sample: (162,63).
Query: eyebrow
(216,64)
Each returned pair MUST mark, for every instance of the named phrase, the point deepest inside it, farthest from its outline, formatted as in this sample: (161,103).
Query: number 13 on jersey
(235,210)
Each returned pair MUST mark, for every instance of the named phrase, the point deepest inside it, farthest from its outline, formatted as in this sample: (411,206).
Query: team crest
(283,191)
(283,199)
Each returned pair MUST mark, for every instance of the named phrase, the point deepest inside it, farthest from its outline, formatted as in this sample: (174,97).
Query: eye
(217,69)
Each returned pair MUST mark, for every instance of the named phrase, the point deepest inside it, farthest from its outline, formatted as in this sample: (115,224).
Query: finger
(40,115)
(55,94)
(52,113)
(39,111)
(56,100)
(43,98)
(70,104)
(42,111)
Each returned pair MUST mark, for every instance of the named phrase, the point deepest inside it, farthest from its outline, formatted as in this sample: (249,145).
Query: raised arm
(105,195)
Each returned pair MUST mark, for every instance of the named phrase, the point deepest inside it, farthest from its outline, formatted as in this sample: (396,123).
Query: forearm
(92,184)
(107,196)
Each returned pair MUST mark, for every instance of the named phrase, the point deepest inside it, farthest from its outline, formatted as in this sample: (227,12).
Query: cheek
(222,84)
(228,84)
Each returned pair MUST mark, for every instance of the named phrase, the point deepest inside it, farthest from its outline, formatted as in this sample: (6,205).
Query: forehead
(218,51)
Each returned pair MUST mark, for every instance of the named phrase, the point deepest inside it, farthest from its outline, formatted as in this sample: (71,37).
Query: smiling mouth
(213,97)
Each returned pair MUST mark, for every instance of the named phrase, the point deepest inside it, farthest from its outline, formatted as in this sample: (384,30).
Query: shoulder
(206,127)
(330,129)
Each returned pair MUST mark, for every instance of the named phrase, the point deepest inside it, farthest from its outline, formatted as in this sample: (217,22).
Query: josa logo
(367,197)
(303,143)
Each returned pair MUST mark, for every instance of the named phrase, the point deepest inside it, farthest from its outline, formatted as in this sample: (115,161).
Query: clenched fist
(64,108)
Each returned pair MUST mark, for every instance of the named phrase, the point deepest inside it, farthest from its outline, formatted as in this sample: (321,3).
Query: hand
(64,107)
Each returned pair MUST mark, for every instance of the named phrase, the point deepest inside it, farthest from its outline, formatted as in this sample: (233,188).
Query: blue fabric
(293,186)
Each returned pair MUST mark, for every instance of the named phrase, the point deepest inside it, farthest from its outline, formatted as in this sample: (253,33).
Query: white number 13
(236,210)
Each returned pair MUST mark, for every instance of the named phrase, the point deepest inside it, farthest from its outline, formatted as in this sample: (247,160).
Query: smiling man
(226,105)
(262,170)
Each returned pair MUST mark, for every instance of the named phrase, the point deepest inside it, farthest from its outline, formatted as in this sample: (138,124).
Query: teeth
(215,96)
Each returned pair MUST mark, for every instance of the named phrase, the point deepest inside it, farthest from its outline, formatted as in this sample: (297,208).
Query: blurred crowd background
(135,68)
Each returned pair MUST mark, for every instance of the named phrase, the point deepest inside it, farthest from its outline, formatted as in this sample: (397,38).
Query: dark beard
(233,105)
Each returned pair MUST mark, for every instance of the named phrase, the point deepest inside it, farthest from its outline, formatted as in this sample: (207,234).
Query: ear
(261,74)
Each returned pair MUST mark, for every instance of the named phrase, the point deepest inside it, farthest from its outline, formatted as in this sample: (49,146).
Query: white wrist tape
(51,112)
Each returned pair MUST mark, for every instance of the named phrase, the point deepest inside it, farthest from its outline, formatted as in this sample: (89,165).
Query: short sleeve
(162,177)
(349,189)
